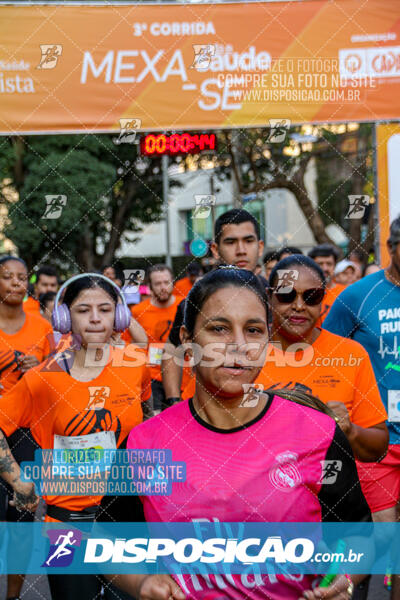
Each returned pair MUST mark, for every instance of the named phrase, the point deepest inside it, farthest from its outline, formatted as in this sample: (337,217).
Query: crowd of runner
(255,374)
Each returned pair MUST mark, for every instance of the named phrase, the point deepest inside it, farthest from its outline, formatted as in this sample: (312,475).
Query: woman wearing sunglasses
(335,369)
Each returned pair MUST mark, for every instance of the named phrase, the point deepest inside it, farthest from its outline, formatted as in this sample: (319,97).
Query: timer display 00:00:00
(177,143)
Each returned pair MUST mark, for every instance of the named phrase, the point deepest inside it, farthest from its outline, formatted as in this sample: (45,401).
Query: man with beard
(46,281)
(156,315)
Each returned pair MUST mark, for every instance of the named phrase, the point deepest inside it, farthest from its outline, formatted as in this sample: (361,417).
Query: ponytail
(304,399)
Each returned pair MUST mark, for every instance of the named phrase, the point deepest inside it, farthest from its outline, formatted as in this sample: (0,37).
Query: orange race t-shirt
(33,338)
(189,389)
(157,323)
(57,408)
(333,368)
(31,305)
(330,296)
(182,287)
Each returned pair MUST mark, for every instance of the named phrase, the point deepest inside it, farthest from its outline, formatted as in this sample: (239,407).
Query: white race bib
(155,355)
(394,406)
(101,440)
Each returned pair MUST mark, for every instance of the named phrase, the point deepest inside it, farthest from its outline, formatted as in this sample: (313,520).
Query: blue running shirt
(369,312)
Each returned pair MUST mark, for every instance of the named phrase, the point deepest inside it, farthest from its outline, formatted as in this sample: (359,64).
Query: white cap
(343,265)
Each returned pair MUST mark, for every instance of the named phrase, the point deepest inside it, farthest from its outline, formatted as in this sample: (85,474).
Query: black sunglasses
(311,297)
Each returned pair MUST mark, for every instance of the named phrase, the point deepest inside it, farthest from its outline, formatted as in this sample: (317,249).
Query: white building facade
(280,218)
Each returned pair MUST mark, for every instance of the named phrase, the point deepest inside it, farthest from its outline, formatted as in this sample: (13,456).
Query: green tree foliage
(109,188)
(259,165)
(345,166)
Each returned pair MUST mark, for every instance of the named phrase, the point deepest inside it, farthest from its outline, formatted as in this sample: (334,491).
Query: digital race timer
(155,144)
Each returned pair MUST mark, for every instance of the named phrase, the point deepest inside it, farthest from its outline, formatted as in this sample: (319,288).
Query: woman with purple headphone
(71,402)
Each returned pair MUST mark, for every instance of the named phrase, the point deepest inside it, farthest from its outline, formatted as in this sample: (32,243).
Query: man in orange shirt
(46,281)
(326,256)
(156,315)
(183,286)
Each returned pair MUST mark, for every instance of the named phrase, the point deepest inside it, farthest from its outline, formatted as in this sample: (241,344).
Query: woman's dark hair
(303,398)
(85,283)
(213,281)
(8,257)
(296,260)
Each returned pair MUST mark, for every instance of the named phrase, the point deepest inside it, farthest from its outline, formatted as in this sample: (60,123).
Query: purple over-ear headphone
(61,317)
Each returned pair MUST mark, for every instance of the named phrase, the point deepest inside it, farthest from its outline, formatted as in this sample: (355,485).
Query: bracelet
(350,589)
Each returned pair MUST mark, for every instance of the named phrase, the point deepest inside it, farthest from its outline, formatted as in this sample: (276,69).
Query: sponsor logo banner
(98,68)
(202,547)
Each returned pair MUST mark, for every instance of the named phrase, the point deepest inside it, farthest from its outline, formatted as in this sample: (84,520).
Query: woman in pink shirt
(250,456)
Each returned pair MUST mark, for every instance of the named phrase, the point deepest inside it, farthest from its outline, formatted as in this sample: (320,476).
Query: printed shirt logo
(98,396)
(285,476)
(95,417)
(62,547)
(330,471)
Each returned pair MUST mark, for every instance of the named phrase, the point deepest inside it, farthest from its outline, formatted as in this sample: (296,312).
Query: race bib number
(88,445)
(394,406)
(102,440)
(155,355)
